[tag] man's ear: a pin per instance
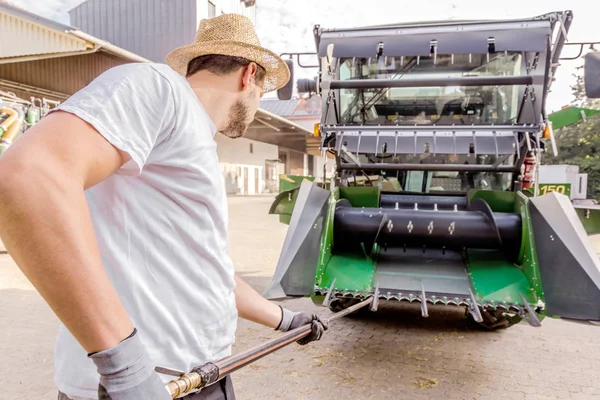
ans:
(249, 75)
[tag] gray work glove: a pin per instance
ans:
(126, 373)
(291, 320)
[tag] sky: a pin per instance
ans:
(286, 25)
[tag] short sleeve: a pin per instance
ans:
(132, 106)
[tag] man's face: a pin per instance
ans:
(241, 113)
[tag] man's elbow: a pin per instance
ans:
(15, 178)
(22, 178)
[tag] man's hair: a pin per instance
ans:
(222, 65)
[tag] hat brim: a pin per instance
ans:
(277, 71)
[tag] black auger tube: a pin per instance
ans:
(418, 228)
(423, 202)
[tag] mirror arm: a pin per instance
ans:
(580, 44)
(291, 55)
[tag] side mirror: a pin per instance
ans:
(285, 93)
(307, 86)
(591, 74)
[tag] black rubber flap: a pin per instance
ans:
(569, 267)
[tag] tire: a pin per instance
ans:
(493, 320)
(340, 304)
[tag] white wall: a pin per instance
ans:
(319, 163)
(243, 169)
(243, 163)
(238, 151)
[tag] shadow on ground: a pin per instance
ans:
(393, 353)
(28, 329)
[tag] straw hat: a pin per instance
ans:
(231, 35)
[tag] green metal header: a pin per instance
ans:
(570, 115)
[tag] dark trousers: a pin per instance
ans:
(222, 390)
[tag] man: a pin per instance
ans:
(115, 210)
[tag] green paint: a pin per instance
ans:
(284, 202)
(590, 218)
(350, 273)
(569, 116)
(327, 238)
(495, 279)
(498, 201)
(365, 196)
(528, 255)
(287, 182)
(283, 205)
(562, 188)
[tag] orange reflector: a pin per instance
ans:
(316, 130)
(547, 131)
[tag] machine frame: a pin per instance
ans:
(346, 242)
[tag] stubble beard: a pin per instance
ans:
(238, 115)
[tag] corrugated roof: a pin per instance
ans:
(282, 108)
(272, 120)
(28, 36)
(292, 108)
(29, 16)
(25, 34)
(40, 38)
(310, 106)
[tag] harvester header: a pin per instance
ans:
(435, 131)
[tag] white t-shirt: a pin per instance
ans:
(160, 222)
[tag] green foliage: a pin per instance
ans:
(578, 92)
(579, 144)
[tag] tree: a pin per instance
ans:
(578, 92)
(579, 144)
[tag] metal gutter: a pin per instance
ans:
(108, 47)
(32, 89)
(279, 119)
(35, 57)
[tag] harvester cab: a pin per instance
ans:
(434, 131)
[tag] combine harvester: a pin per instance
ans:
(438, 119)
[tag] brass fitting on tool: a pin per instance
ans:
(184, 384)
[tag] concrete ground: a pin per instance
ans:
(394, 354)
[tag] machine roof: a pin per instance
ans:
(442, 22)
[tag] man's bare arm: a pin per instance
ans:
(253, 307)
(46, 226)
